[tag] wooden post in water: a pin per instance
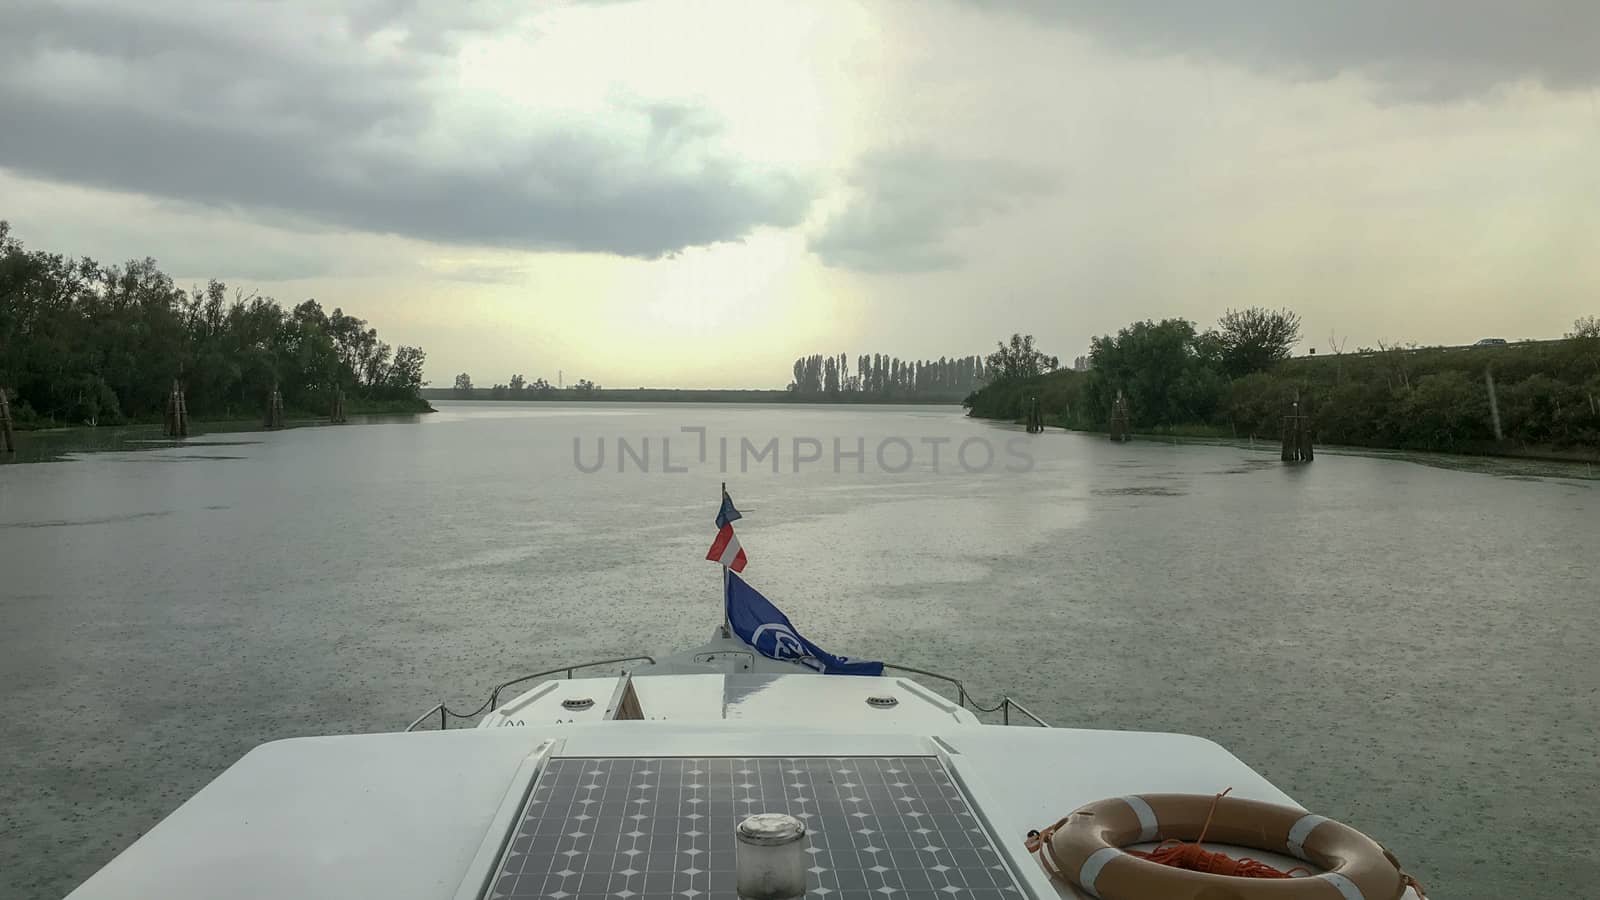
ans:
(1035, 416)
(1120, 426)
(1291, 436)
(1296, 434)
(336, 416)
(177, 417)
(274, 408)
(8, 438)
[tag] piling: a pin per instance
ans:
(1035, 416)
(336, 415)
(274, 417)
(8, 437)
(177, 416)
(1297, 433)
(1121, 428)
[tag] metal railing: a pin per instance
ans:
(445, 713)
(963, 697)
(966, 700)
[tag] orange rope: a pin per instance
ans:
(1195, 858)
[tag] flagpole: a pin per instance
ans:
(727, 628)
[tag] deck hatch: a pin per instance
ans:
(881, 828)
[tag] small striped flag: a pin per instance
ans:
(726, 550)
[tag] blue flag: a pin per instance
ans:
(727, 513)
(761, 625)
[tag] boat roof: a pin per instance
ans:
(832, 702)
(429, 815)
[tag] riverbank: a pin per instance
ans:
(83, 343)
(1523, 401)
(292, 417)
(1546, 462)
(685, 395)
(57, 443)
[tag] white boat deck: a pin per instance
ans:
(427, 816)
(671, 753)
(778, 699)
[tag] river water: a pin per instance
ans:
(1404, 647)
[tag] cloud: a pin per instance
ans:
(1424, 50)
(905, 204)
(353, 121)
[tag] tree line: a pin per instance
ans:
(1237, 380)
(881, 376)
(520, 388)
(85, 343)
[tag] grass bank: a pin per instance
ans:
(293, 416)
(1545, 395)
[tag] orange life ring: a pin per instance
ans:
(1085, 849)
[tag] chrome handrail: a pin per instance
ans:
(1011, 704)
(961, 689)
(437, 708)
(494, 698)
(965, 699)
(446, 713)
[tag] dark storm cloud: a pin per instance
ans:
(1417, 49)
(904, 204)
(338, 119)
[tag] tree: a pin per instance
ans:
(1254, 339)
(1336, 344)
(80, 341)
(1019, 360)
(1165, 369)
(464, 386)
(404, 378)
(1586, 332)
(1396, 361)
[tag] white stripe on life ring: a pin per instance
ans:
(1097, 861)
(1147, 818)
(1345, 886)
(1302, 829)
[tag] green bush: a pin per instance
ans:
(1548, 393)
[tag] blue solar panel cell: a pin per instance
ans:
(880, 828)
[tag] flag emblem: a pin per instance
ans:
(770, 633)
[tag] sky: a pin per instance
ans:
(693, 194)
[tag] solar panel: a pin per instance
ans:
(881, 828)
